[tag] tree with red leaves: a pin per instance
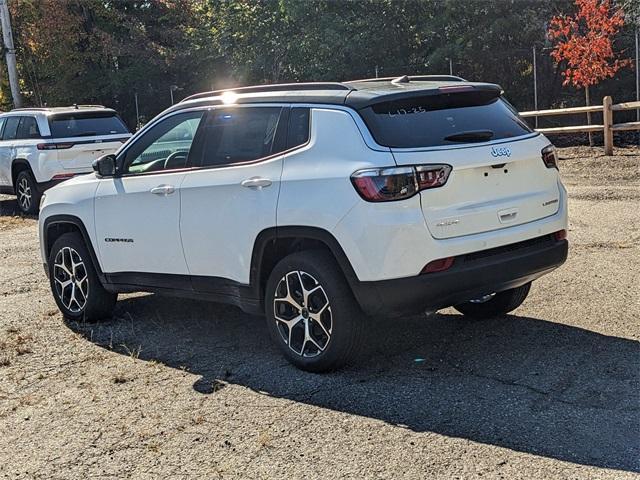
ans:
(585, 43)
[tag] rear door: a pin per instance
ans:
(233, 196)
(83, 136)
(498, 178)
(5, 157)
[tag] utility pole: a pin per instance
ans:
(10, 53)
(637, 74)
(450, 67)
(638, 78)
(135, 96)
(535, 84)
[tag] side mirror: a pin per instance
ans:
(106, 166)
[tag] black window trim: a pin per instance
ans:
(207, 109)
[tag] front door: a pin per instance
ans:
(137, 213)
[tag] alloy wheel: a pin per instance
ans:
(71, 279)
(24, 194)
(303, 314)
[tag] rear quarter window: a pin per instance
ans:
(28, 129)
(445, 119)
(84, 124)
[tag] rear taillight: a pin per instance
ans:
(550, 157)
(560, 235)
(54, 146)
(398, 183)
(456, 88)
(432, 176)
(439, 265)
(385, 184)
(63, 176)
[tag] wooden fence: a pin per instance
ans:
(607, 108)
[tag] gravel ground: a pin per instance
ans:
(173, 388)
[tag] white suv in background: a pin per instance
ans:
(40, 147)
(313, 204)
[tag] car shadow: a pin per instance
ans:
(9, 208)
(526, 384)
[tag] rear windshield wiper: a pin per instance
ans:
(85, 134)
(470, 136)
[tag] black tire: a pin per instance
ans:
(501, 304)
(98, 302)
(340, 316)
(27, 193)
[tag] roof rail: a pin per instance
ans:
(27, 108)
(278, 87)
(433, 78)
(44, 109)
(87, 106)
(437, 78)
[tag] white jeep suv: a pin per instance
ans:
(315, 205)
(40, 147)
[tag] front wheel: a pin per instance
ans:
(495, 305)
(311, 313)
(74, 282)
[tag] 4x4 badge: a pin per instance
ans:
(500, 152)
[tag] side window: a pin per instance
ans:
(11, 128)
(240, 134)
(165, 146)
(2, 121)
(28, 128)
(298, 133)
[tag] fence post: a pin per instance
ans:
(607, 120)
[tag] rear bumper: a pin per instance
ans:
(471, 276)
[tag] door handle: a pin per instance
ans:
(163, 190)
(256, 182)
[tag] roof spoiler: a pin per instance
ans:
(409, 78)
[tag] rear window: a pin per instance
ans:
(236, 135)
(86, 124)
(448, 119)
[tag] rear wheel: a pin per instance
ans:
(495, 305)
(311, 313)
(74, 281)
(27, 193)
